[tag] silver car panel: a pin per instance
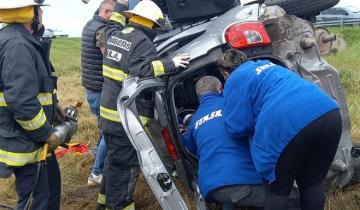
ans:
(292, 44)
(212, 37)
(150, 162)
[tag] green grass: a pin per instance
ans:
(66, 56)
(348, 64)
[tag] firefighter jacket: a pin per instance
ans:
(27, 96)
(129, 51)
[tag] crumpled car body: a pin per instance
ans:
(162, 156)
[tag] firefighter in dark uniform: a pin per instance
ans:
(129, 52)
(28, 104)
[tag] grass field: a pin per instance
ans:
(75, 168)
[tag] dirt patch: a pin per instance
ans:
(85, 197)
(144, 198)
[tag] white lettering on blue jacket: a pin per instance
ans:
(208, 117)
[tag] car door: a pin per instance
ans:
(152, 166)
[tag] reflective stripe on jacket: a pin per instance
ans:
(27, 96)
(129, 52)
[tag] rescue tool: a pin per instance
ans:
(64, 131)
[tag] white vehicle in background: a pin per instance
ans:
(55, 33)
(48, 33)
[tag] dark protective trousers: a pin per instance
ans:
(306, 159)
(47, 194)
(121, 171)
(250, 196)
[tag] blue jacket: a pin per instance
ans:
(222, 160)
(270, 104)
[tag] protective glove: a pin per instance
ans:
(59, 114)
(183, 129)
(181, 60)
(53, 141)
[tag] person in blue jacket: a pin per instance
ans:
(226, 171)
(293, 126)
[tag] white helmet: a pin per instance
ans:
(149, 10)
(13, 4)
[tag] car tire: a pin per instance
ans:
(356, 177)
(303, 8)
(355, 153)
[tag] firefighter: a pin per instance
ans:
(92, 50)
(293, 126)
(129, 51)
(28, 104)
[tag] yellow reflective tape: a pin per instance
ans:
(113, 73)
(144, 120)
(101, 199)
(35, 123)
(109, 114)
(131, 206)
(158, 68)
(2, 100)
(117, 17)
(113, 115)
(127, 30)
(45, 98)
(19, 159)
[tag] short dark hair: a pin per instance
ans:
(105, 3)
(207, 84)
(230, 60)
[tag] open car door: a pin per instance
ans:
(150, 162)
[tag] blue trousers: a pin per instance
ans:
(93, 99)
(47, 194)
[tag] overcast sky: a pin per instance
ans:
(71, 15)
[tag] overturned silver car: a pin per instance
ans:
(261, 31)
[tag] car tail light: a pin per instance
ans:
(169, 143)
(248, 34)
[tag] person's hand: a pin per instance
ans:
(53, 141)
(181, 60)
(182, 129)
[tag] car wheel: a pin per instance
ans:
(355, 153)
(303, 8)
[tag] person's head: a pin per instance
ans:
(146, 13)
(208, 84)
(229, 61)
(26, 12)
(105, 9)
